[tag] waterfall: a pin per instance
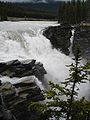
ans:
(24, 40)
(71, 41)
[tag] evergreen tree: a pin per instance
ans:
(77, 76)
(84, 11)
(61, 99)
(88, 8)
(72, 12)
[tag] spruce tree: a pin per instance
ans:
(77, 76)
(61, 99)
(88, 8)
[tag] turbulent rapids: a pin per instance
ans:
(24, 40)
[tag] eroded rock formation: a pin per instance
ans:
(20, 69)
(59, 37)
(16, 99)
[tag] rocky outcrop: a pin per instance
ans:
(20, 69)
(82, 38)
(15, 99)
(59, 37)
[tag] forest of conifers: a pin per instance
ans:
(73, 11)
(28, 10)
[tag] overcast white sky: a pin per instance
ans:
(28, 0)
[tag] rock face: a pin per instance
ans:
(15, 99)
(82, 38)
(59, 37)
(16, 68)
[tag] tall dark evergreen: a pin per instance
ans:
(84, 11)
(72, 12)
(62, 100)
(88, 8)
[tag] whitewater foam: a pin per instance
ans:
(24, 40)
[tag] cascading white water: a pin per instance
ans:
(71, 41)
(24, 40)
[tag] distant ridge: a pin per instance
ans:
(42, 1)
(51, 6)
(31, 1)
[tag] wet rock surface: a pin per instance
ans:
(59, 37)
(20, 69)
(16, 99)
(82, 38)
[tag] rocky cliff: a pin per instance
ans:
(15, 99)
(82, 38)
(59, 37)
(16, 68)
